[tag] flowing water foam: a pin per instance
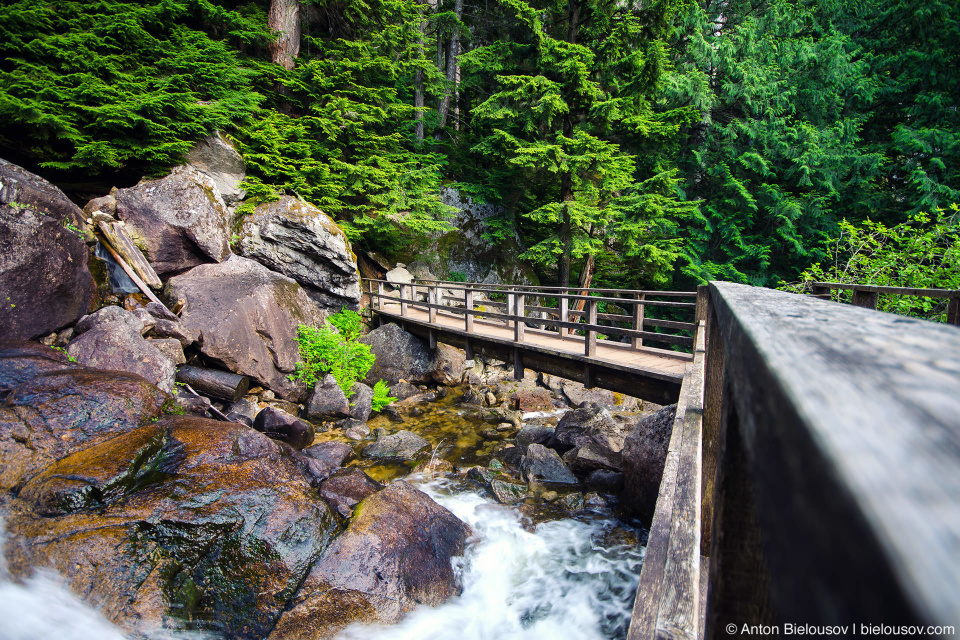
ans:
(559, 581)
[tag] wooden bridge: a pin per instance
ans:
(812, 481)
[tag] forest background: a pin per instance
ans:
(653, 143)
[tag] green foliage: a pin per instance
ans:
(347, 323)
(171, 407)
(923, 252)
(324, 351)
(60, 349)
(102, 85)
(381, 397)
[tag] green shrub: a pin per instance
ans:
(347, 322)
(380, 397)
(326, 351)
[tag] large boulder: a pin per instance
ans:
(298, 240)
(644, 456)
(346, 488)
(216, 157)
(45, 281)
(179, 221)
(118, 346)
(590, 423)
(399, 356)
(21, 360)
(448, 365)
(395, 555)
(55, 413)
(402, 445)
(327, 401)
(247, 318)
(544, 465)
(361, 402)
(181, 523)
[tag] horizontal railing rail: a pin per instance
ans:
(868, 295)
(472, 301)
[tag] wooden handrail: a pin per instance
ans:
(868, 295)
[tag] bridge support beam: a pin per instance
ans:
(517, 364)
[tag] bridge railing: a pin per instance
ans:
(829, 459)
(868, 296)
(519, 306)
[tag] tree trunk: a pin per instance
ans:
(284, 19)
(418, 102)
(453, 57)
(566, 230)
(586, 277)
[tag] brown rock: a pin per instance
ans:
(45, 281)
(448, 367)
(395, 554)
(185, 521)
(54, 414)
(644, 456)
(532, 400)
(346, 488)
(118, 347)
(21, 361)
(327, 401)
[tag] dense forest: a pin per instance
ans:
(653, 143)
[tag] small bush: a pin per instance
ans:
(347, 323)
(325, 351)
(380, 397)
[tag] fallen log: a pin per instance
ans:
(213, 383)
(122, 243)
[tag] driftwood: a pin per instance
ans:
(122, 244)
(212, 409)
(222, 385)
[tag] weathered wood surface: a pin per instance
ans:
(133, 274)
(122, 244)
(850, 420)
(214, 383)
(668, 604)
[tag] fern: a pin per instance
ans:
(380, 397)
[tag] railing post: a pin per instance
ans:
(379, 304)
(403, 299)
(519, 325)
(590, 342)
(953, 311)
(468, 304)
(865, 298)
(564, 312)
(638, 313)
(432, 301)
(511, 305)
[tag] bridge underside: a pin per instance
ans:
(561, 359)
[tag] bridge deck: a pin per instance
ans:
(655, 365)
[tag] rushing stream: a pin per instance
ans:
(531, 572)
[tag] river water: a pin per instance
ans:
(528, 573)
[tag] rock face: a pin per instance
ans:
(399, 356)
(402, 445)
(395, 554)
(118, 347)
(21, 361)
(54, 413)
(45, 282)
(179, 221)
(644, 455)
(185, 522)
(300, 241)
(247, 318)
(216, 157)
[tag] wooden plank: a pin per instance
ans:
(864, 297)
(517, 364)
(823, 287)
(953, 310)
(116, 236)
(590, 343)
(849, 420)
(468, 305)
(432, 298)
(133, 275)
(637, 321)
(519, 325)
(712, 413)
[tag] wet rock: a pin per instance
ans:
(179, 221)
(403, 390)
(544, 465)
(605, 481)
(491, 398)
(507, 492)
(184, 521)
(532, 400)
(420, 398)
(243, 411)
(53, 414)
(21, 360)
(395, 554)
(399, 356)
(160, 312)
(298, 240)
(533, 434)
(344, 489)
(327, 402)
(323, 458)
(118, 347)
(361, 402)
(482, 476)
(553, 383)
(392, 413)
(216, 157)
(571, 502)
(247, 317)
(490, 434)
(402, 445)
(194, 405)
(472, 396)
(357, 430)
(45, 281)
(106, 205)
(594, 500)
(282, 426)
(171, 349)
(449, 364)
(109, 316)
(505, 426)
(512, 456)
(644, 456)
(499, 415)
